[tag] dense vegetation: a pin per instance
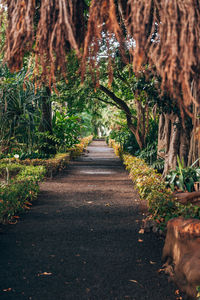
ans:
(82, 79)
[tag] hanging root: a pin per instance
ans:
(163, 33)
(46, 28)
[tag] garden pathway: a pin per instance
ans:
(81, 239)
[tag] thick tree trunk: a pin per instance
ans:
(194, 152)
(46, 120)
(173, 141)
(46, 124)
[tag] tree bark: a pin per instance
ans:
(46, 124)
(173, 141)
(46, 120)
(140, 129)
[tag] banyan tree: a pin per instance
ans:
(165, 34)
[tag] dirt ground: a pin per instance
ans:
(81, 239)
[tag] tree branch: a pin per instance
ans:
(107, 102)
(123, 106)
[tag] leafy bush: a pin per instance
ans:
(149, 154)
(52, 165)
(17, 194)
(66, 130)
(116, 146)
(126, 139)
(183, 178)
(151, 187)
(77, 149)
(8, 170)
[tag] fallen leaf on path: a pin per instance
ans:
(45, 274)
(7, 290)
(16, 217)
(135, 281)
(140, 241)
(26, 207)
(152, 262)
(161, 270)
(107, 204)
(141, 231)
(177, 292)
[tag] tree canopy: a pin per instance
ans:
(164, 34)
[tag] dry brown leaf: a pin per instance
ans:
(141, 231)
(135, 281)
(132, 280)
(140, 240)
(7, 290)
(45, 274)
(152, 262)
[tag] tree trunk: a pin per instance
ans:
(194, 152)
(173, 141)
(47, 144)
(46, 120)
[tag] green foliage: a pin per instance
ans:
(125, 138)
(16, 194)
(52, 165)
(198, 292)
(183, 178)
(19, 114)
(66, 130)
(152, 187)
(149, 154)
(8, 170)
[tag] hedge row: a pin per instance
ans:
(79, 148)
(152, 187)
(17, 193)
(55, 164)
(117, 148)
(20, 179)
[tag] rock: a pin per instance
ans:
(181, 254)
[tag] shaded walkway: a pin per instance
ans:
(80, 240)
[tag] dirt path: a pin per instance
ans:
(80, 240)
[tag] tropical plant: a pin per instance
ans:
(66, 130)
(19, 113)
(183, 178)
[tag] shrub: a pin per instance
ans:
(17, 194)
(117, 148)
(77, 149)
(152, 187)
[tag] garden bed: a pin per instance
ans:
(19, 186)
(162, 204)
(19, 179)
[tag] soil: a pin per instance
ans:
(81, 239)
